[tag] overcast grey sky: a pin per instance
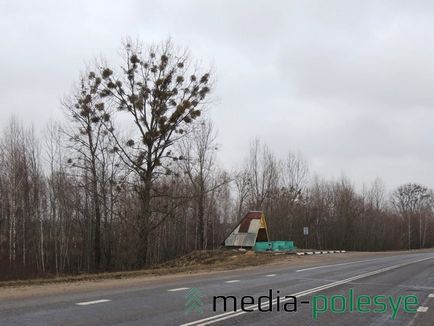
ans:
(349, 84)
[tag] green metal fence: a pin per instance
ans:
(275, 246)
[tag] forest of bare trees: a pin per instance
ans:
(131, 178)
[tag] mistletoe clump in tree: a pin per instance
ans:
(159, 93)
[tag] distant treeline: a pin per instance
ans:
(131, 178)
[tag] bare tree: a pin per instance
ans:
(263, 173)
(294, 174)
(15, 169)
(198, 163)
(160, 95)
(407, 199)
(242, 186)
(86, 136)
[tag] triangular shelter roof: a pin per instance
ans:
(250, 229)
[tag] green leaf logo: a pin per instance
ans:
(193, 301)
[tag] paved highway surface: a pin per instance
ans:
(164, 301)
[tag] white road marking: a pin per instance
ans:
(431, 295)
(232, 281)
(92, 302)
(270, 275)
(231, 314)
(177, 289)
(422, 309)
(325, 266)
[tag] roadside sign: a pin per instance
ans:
(306, 230)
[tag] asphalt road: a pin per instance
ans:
(393, 279)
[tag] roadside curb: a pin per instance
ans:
(320, 252)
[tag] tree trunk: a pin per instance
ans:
(145, 217)
(201, 221)
(97, 210)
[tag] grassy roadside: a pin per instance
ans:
(197, 261)
(206, 261)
